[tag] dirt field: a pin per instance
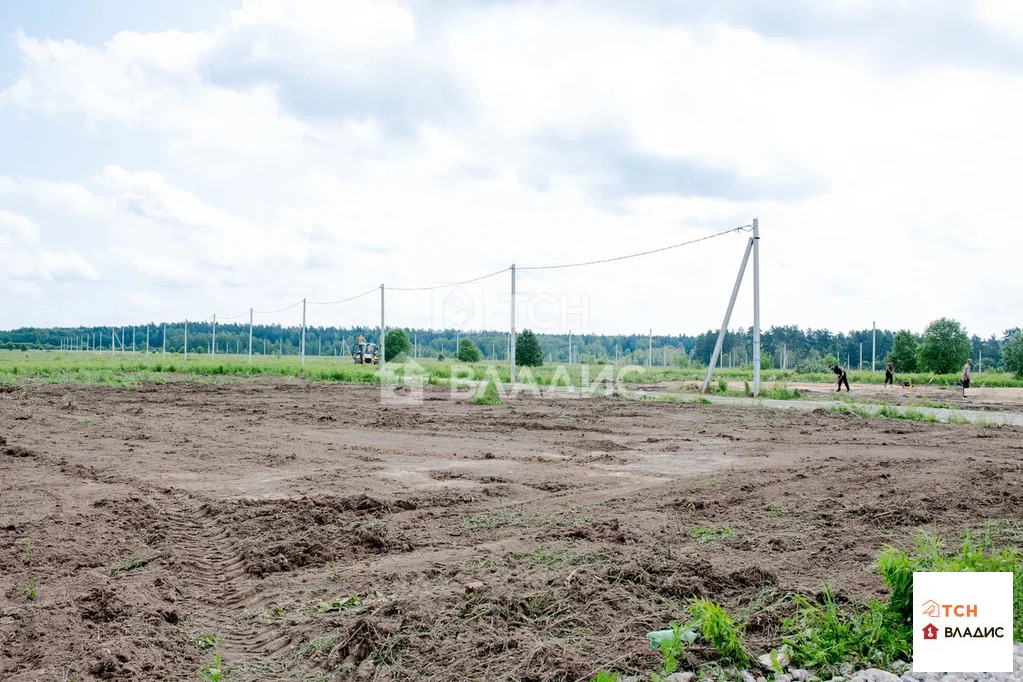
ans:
(535, 540)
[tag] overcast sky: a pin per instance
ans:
(168, 160)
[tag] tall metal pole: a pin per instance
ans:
(250, 336)
(756, 307)
(303, 333)
(511, 333)
(873, 349)
(383, 349)
(186, 339)
(214, 339)
(728, 315)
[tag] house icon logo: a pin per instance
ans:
(930, 631)
(932, 608)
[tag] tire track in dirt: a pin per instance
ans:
(221, 588)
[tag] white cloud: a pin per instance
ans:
(18, 224)
(238, 195)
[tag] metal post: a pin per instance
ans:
(511, 333)
(873, 349)
(250, 336)
(302, 343)
(383, 349)
(756, 307)
(164, 339)
(213, 343)
(650, 348)
(728, 315)
(186, 339)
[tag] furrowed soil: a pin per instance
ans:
(318, 534)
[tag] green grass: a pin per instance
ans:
(906, 413)
(214, 672)
(133, 369)
(711, 534)
(719, 631)
(129, 564)
(487, 395)
(338, 605)
(206, 641)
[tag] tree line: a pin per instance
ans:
(939, 348)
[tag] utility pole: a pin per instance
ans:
(570, 346)
(186, 339)
(147, 338)
(133, 338)
(873, 349)
(383, 349)
(165, 339)
(250, 337)
(302, 342)
(756, 307)
(213, 343)
(650, 348)
(860, 366)
(511, 333)
(980, 364)
(724, 324)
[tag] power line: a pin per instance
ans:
(271, 312)
(452, 284)
(741, 228)
(232, 317)
(344, 300)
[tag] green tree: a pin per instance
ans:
(1012, 354)
(396, 341)
(468, 351)
(945, 347)
(527, 350)
(766, 361)
(903, 353)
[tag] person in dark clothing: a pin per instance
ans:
(842, 378)
(966, 375)
(889, 374)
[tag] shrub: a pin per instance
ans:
(1012, 355)
(527, 350)
(903, 353)
(396, 341)
(468, 351)
(945, 347)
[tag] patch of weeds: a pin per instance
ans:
(719, 631)
(783, 392)
(321, 643)
(710, 534)
(850, 409)
(603, 676)
(956, 419)
(722, 385)
(390, 651)
(909, 414)
(702, 401)
(214, 672)
(823, 635)
(487, 395)
(497, 519)
(129, 564)
(671, 644)
(338, 605)
(774, 510)
(88, 421)
(707, 482)
(207, 641)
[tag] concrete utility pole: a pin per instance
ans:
(186, 339)
(650, 348)
(133, 339)
(570, 346)
(756, 307)
(860, 366)
(213, 343)
(511, 333)
(302, 342)
(716, 355)
(873, 348)
(164, 339)
(383, 329)
(250, 336)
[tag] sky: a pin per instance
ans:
(163, 161)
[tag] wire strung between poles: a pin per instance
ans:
(233, 317)
(271, 312)
(344, 300)
(452, 284)
(741, 228)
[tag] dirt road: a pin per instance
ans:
(534, 540)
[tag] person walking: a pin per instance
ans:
(966, 375)
(842, 378)
(889, 374)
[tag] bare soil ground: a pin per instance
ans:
(535, 540)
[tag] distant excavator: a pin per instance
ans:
(365, 353)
